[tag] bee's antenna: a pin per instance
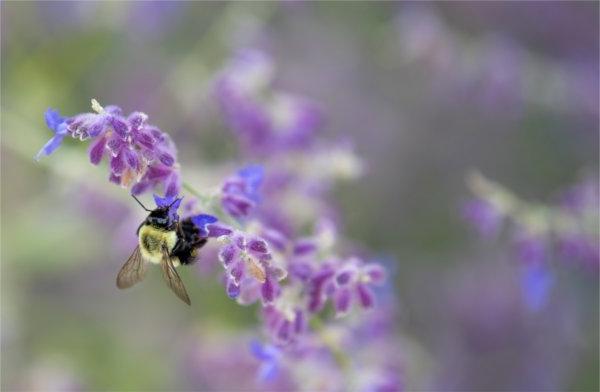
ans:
(140, 203)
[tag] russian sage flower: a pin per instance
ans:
(536, 282)
(57, 124)
(265, 120)
(353, 281)
(482, 216)
(541, 233)
(270, 356)
(250, 271)
(140, 155)
(240, 193)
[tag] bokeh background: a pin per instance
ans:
(426, 92)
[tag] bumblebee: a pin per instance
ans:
(166, 241)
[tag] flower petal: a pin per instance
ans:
(166, 159)
(53, 119)
(120, 126)
(268, 290)
(227, 254)
(218, 230)
(117, 164)
(536, 283)
(375, 273)
(233, 290)
(173, 185)
(342, 301)
(365, 296)
(97, 150)
(201, 221)
(50, 146)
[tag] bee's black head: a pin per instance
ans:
(165, 216)
(160, 218)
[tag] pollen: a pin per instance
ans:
(97, 107)
(256, 270)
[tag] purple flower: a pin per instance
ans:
(577, 247)
(536, 282)
(250, 271)
(482, 216)
(530, 248)
(58, 125)
(317, 288)
(140, 155)
(240, 193)
(202, 222)
(270, 357)
(284, 322)
(280, 123)
(352, 284)
(582, 197)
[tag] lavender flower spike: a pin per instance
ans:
(140, 155)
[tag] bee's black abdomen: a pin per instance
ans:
(188, 242)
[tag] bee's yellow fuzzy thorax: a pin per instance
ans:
(152, 239)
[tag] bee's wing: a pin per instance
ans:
(133, 270)
(172, 277)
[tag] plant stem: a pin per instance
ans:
(338, 354)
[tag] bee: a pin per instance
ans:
(166, 241)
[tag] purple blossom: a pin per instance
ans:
(250, 271)
(140, 155)
(352, 284)
(270, 357)
(240, 193)
(280, 122)
(284, 322)
(536, 282)
(530, 248)
(482, 216)
(578, 248)
(267, 237)
(58, 125)
(318, 288)
(203, 222)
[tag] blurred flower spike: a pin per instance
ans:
(269, 356)
(141, 156)
(482, 216)
(240, 193)
(566, 232)
(266, 121)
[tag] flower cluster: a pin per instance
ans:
(250, 271)
(287, 252)
(140, 155)
(493, 71)
(566, 231)
(278, 233)
(266, 121)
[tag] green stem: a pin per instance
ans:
(339, 355)
(209, 203)
(203, 198)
